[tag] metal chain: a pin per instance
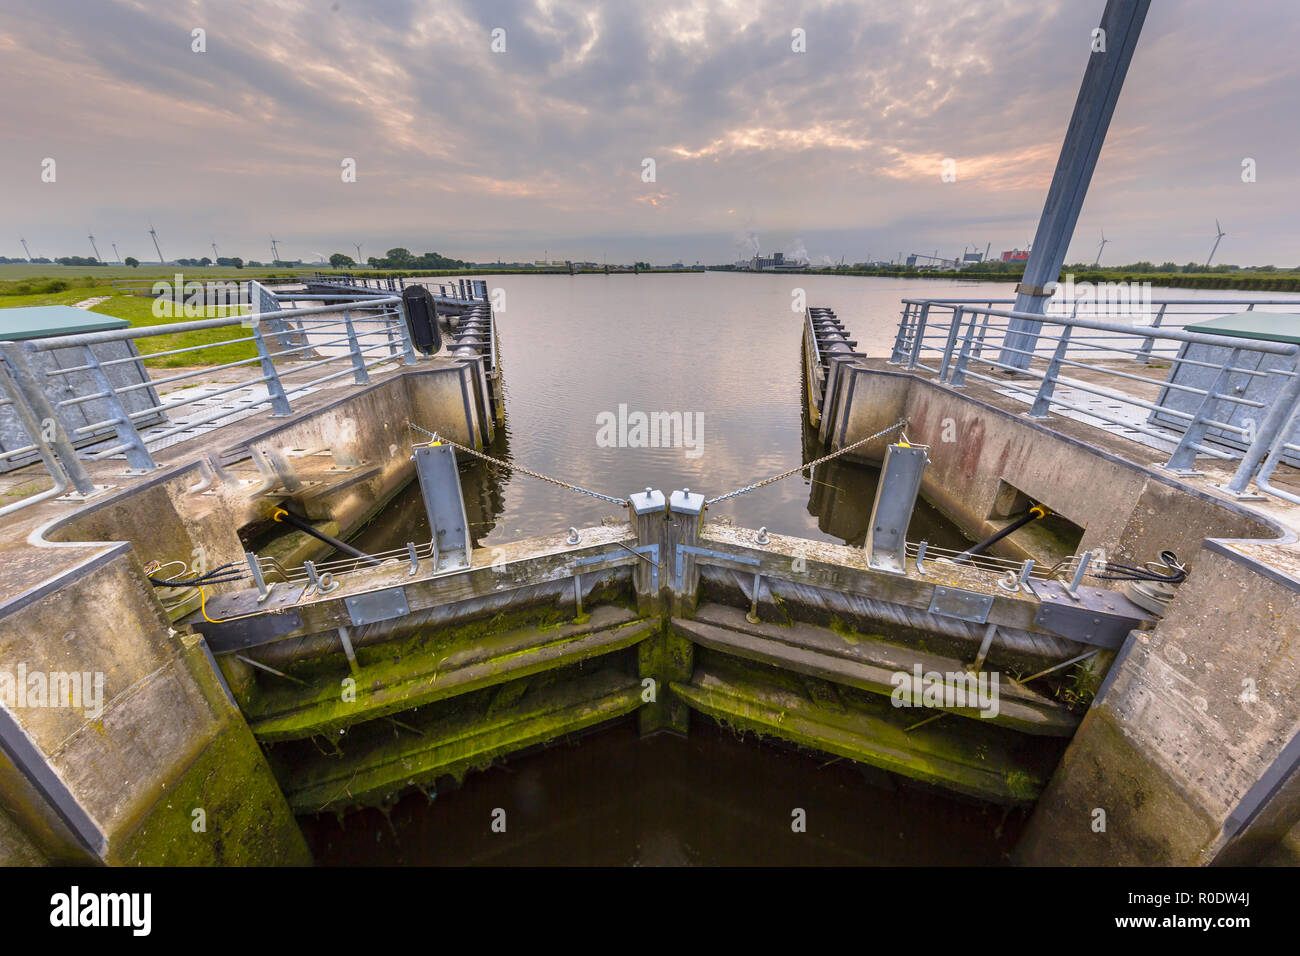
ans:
(513, 467)
(804, 467)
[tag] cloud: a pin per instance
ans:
(478, 153)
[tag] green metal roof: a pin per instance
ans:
(1270, 326)
(37, 321)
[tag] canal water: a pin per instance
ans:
(723, 349)
(720, 348)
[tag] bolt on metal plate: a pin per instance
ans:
(377, 606)
(963, 605)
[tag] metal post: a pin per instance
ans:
(954, 328)
(899, 484)
(958, 377)
(399, 320)
(359, 373)
(137, 455)
(33, 429)
(984, 331)
(918, 334)
(435, 466)
(985, 644)
(900, 340)
(1145, 351)
(263, 589)
(1121, 24)
(1183, 460)
(279, 401)
(752, 617)
(1263, 478)
(1270, 431)
(39, 404)
(390, 337)
(1043, 401)
(345, 638)
(284, 470)
(1072, 588)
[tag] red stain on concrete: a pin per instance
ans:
(970, 434)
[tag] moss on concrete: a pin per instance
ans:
(988, 762)
(1148, 818)
(373, 766)
(665, 658)
(15, 847)
(245, 817)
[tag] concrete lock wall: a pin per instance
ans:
(1168, 765)
(1114, 501)
(1197, 713)
(162, 768)
(159, 722)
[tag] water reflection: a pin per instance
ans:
(712, 798)
(724, 346)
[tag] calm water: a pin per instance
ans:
(721, 345)
(610, 799)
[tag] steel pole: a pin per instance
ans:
(1121, 24)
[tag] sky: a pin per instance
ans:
(539, 146)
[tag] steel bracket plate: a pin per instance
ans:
(963, 605)
(377, 606)
(1099, 617)
(685, 549)
(225, 637)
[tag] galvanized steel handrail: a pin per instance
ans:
(372, 325)
(958, 344)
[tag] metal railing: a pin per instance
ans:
(226, 289)
(453, 290)
(1071, 356)
(88, 397)
(371, 283)
(923, 314)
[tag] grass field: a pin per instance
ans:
(101, 274)
(139, 312)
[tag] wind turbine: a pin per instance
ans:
(25, 249)
(1100, 247)
(1219, 234)
(358, 245)
(95, 247)
(153, 233)
(116, 253)
(275, 253)
(215, 254)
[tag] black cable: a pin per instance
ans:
(196, 583)
(1128, 572)
(1033, 514)
(215, 576)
